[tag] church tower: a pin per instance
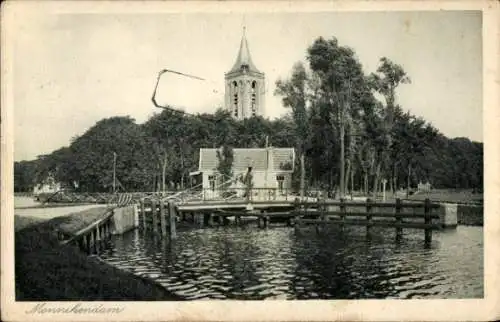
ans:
(245, 86)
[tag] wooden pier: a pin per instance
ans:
(161, 217)
(117, 218)
(158, 216)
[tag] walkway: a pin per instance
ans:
(44, 213)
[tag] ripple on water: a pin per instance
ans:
(277, 264)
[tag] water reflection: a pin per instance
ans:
(277, 263)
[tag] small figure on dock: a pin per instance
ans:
(247, 180)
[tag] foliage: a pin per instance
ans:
(24, 176)
(225, 164)
(330, 99)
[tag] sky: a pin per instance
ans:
(72, 70)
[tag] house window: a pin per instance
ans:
(280, 179)
(211, 180)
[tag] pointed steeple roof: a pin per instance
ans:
(244, 57)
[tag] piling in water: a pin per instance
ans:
(163, 220)
(172, 220)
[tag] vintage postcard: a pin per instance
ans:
(263, 161)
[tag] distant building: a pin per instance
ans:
(48, 185)
(270, 168)
(424, 187)
(244, 86)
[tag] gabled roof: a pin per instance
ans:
(244, 57)
(257, 158)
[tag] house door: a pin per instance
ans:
(280, 180)
(211, 181)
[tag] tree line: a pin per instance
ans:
(346, 123)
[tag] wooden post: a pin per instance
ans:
(92, 241)
(97, 238)
(320, 216)
(302, 176)
(172, 217)
(428, 221)
(109, 228)
(369, 217)
(103, 231)
(399, 230)
(384, 182)
(297, 216)
(102, 227)
(342, 212)
(98, 233)
(163, 220)
(206, 219)
(154, 216)
(86, 243)
(143, 212)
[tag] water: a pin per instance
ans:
(277, 263)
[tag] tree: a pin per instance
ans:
(24, 176)
(225, 165)
(92, 155)
(342, 89)
(294, 96)
(387, 78)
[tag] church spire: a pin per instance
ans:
(244, 58)
(245, 85)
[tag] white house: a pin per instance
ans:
(49, 185)
(424, 187)
(271, 170)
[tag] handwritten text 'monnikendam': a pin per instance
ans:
(43, 308)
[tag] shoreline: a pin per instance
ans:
(48, 271)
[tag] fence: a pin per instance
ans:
(371, 214)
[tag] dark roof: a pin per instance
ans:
(244, 58)
(256, 158)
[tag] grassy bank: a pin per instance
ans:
(452, 196)
(47, 271)
(26, 221)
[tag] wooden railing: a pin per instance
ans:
(161, 217)
(370, 218)
(89, 239)
(341, 213)
(244, 194)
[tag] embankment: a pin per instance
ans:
(470, 215)
(47, 271)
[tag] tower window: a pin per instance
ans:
(235, 108)
(253, 99)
